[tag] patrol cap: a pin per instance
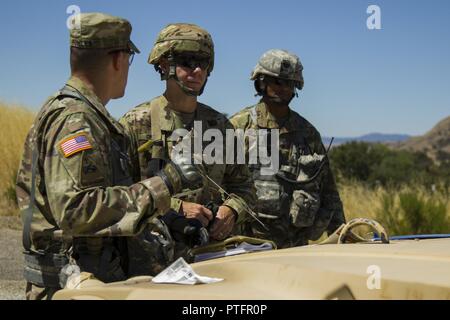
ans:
(101, 31)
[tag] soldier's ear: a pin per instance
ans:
(117, 60)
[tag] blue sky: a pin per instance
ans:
(393, 80)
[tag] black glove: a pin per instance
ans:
(179, 175)
(189, 231)
(213, 207)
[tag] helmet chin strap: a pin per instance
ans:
(262, 91)
(188, 90)
(278, 100)
(173, 75)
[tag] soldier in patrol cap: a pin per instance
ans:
(300, 201)
(183, 54)
(74, 179)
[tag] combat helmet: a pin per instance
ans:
(280, 64)
(179, 38)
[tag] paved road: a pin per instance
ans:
(12, 285)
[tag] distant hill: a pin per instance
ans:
(371, 137)
(435, 143)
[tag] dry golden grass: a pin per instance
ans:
(362, 202)
(15, 121)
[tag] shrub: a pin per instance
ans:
(376, 164)
(410, 213)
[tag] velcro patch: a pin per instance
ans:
(75, 144)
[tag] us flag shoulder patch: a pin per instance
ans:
(75, 144)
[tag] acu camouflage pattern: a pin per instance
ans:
(280, 64)
(182, 37)
(233, 178)
(101, 31)
(90, 195)
(293, 214)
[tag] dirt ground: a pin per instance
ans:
(12, 285)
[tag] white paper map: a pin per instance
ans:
(180, 272)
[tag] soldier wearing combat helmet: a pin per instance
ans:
(183, 54)
(74, 186)
(300, 201)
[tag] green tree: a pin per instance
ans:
(378, 164)
(355, 160)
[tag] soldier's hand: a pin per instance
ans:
(223, 224)
(196, 211)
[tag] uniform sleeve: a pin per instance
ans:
(78, 178)
(133, 148)
(238, 179)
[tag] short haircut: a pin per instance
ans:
(88, 60)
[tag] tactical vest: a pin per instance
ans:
(290, 197)
(153, 250)
(162, 144)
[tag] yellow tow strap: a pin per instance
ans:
(230, 243)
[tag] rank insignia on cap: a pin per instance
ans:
(75, 144)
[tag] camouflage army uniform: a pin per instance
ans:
(156, 120)
(85, 189)
(91, 192)
(233, 178)
(301, 201)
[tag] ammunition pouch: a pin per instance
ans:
(304, 189)
(45, 269)
(151, 251)
(283, 197)
(304, 208)
(269, 204)
(100, 256)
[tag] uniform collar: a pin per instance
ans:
(168, 120)
(267, 120)
(79, 85)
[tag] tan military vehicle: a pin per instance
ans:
(344, 266)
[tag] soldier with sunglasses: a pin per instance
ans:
(183, 55)
(300, 201)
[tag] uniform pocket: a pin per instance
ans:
(93, 169)
(269, 198)
(304, 207)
